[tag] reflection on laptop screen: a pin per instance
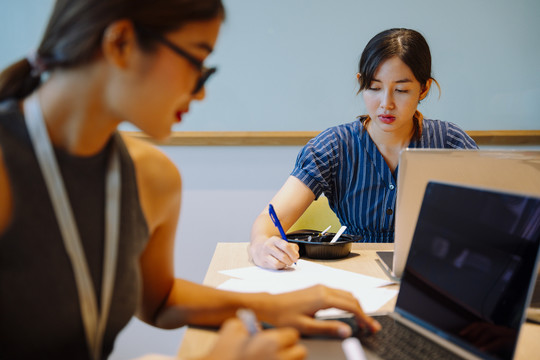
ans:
(471, 265)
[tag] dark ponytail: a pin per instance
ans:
(17, 80)
(75, 29)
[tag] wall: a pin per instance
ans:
(291, 64)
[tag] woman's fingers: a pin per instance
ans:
(235, 343)
(331, 328)
(280, 338)
(234, 326)
(287, 252)
(275, 344)
(278, 254)
(297, 309)
(344, 300)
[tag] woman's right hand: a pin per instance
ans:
(268, 250)
(235, 343)
(274, 253)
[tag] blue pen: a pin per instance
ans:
(276, 222)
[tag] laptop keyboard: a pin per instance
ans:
(396, 341)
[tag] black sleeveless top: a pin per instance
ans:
(39, 306)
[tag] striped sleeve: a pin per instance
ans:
(437, 134)
(456, 138)
(316, 163)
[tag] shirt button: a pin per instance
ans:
(391, 187)
(389, 212)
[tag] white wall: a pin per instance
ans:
(291, 64)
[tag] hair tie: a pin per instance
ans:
(36, 64)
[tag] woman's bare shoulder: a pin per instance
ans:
(158, 179)
(154, 164)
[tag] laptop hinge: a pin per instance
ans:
(434, 337)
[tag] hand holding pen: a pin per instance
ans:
(241, 339)
(270, 250)
(277, 223)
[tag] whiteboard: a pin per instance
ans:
(290, 65)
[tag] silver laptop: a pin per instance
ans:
(512, 170)
(468, 278)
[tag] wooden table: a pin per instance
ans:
(198, 342)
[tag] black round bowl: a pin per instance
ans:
(316, 246)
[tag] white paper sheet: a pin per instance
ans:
(307, 271)
(304, 274)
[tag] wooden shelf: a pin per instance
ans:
(293, 138)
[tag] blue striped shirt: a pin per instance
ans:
(344, 163)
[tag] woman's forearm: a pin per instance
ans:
(194, 304)
(190, 303)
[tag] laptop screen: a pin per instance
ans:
(494, 169)
(471, 265)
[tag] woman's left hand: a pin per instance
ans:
(297, 309)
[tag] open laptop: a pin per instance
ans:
(468, 277)
(511, 170)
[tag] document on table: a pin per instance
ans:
(368, 290)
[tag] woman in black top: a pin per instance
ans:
(88, 216)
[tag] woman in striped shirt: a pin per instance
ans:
(355, 164)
